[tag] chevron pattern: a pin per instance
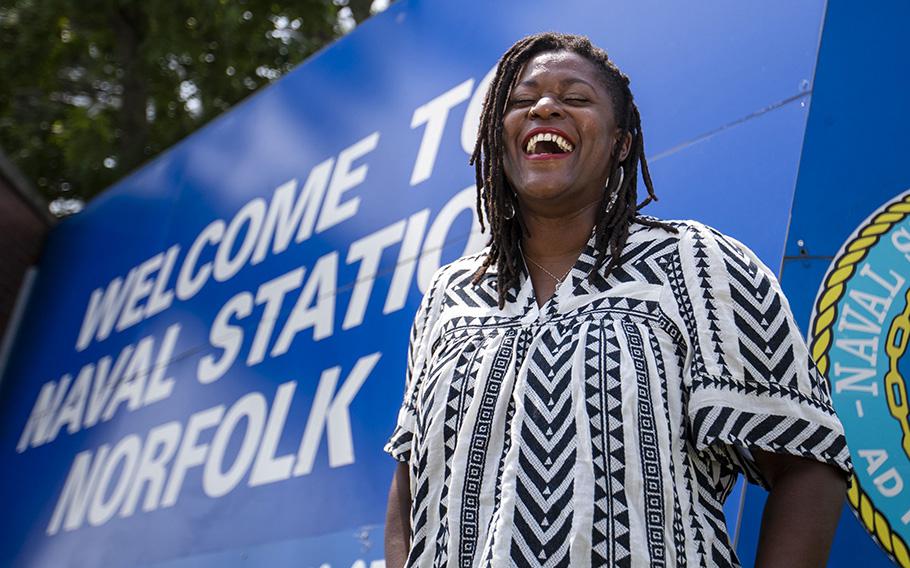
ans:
(545, 485)
(765, 341)
(773, 433)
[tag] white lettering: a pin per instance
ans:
(225, 336)
(191, 452)
(877, 306)
(131, 387)
(42, 416)
(188, 284)
(272, 294)
(368, 251)
(344, 179)
(281, 220)
(472, 114)
(889, 483)
(435, 114)
(126, 451)
(161, 298)
(892, 289)
(865, 349)
(250, 216)
(142, 286)
(103, 308)
(852, 381)
(268, 468)
(78, 487)
(332, 414)
(103, 386)
(319, 287)
(159, 387)
(874, 459)
(852, 320)
(407, 262)
(217, 482)
(159, 448)
(73, 407)
(431, 259)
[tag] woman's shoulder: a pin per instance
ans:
(459, 277)
(682, 226)
(686, 230)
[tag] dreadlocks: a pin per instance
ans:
(495, 198)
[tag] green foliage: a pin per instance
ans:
(92, 89)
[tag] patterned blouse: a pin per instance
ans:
(607, 427)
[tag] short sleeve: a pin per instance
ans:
(399, 443)
(750, 381)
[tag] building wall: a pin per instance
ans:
(24, 223)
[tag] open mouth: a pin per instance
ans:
(548, 143)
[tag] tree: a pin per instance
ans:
(93, 89)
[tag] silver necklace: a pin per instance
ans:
(550, 274)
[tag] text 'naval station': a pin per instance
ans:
(147, 472)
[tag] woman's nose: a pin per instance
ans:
(545, 107)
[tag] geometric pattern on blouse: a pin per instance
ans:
(608, 426)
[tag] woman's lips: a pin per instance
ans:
(537, 157)
(546, 130)
(547, 143)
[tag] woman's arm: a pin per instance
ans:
(397, 519)
(801, 513)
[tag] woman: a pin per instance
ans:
(586, 389)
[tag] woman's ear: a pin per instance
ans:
(625, 142)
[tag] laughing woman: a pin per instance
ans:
(586, 390)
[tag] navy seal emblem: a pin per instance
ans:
(859, 337)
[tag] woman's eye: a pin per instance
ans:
(521, 102)
(576, 100)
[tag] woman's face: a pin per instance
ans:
(559, 129)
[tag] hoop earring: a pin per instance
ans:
(613, 197)
(509, 210)
(621, 177)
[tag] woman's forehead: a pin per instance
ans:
(560, 65)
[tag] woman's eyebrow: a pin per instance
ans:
(564, 83)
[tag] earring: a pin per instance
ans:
(621, 177)
(509, 210)
(616, 192)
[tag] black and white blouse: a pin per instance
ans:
(607, 427)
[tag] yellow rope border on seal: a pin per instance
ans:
(826, 314)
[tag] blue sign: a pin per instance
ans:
(212, 354)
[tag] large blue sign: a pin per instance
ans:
(212, 355)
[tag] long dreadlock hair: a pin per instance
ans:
(495, 199)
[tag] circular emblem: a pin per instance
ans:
(860, 332)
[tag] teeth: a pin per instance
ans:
(563, 144)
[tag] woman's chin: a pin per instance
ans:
(544, 191)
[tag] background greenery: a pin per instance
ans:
(91, 89)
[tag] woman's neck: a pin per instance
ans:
(560, 238)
